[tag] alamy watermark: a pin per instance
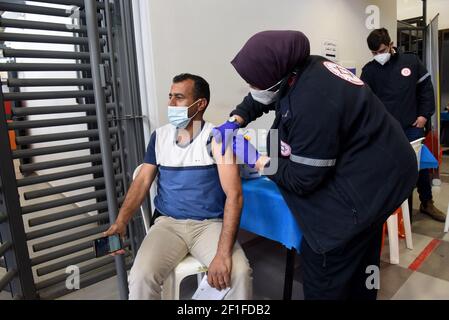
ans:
(256, 137)
(74, 15)
(73, 279)
(373, 20)
(373, 280)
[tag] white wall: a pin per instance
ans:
(413, 8)
(203, 36)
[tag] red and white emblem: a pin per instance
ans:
(286, 150)
(343, 73)
(406, 72)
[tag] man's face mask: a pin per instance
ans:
(383, 58)
(265, 96)
(179, 116)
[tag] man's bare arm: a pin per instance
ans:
(232, 186)
(134, 198)
(220, 269)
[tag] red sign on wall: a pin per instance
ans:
(8, 107)
(12, 136)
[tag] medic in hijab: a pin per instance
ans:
(344, 164)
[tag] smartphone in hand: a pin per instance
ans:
(107, 245)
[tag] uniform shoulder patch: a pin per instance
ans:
(343, 73)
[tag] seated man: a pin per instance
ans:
(199, 200)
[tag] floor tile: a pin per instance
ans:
(422, 224)
(420, 286)
(437, 264)
(5, 296)
(392, 278)
(104, 290)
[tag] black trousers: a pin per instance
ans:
(341, 274)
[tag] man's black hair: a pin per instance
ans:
(201, 88)
(377, 38)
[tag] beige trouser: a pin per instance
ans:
(168, 242)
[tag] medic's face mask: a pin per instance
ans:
(265, 96)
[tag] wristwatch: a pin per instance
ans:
(233, 119)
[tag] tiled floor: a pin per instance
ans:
(267, 258)
(420, 286)
(431, 279)
(401, 282)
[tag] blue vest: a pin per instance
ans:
(188, 182)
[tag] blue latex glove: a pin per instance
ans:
(245, 151)
(224, 134)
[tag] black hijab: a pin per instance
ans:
(269, 56)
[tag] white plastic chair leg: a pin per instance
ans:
(407, 225)
(446, 226)
(172, 285)
(393, 238)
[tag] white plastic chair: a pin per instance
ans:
(187, 267)
(446, 226)
(392, 222)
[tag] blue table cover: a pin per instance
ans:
(265, 213)
(427, 161)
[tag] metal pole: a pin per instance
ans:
(108, 21)
(424, 32)
(106, 149)
(424, 12)
(289, 274)
(130, 103)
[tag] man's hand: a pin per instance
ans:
(420, 122)
(117, 228)
(219, 272)
(134, 198)
(224, 134)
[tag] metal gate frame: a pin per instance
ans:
(429, 51)
(12, 233)
(110, 83)
(432, 64)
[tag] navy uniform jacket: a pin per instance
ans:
(404, 86)
(345, 163)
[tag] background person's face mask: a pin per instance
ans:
(265, 96)
(179, 116)
(383, 58)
